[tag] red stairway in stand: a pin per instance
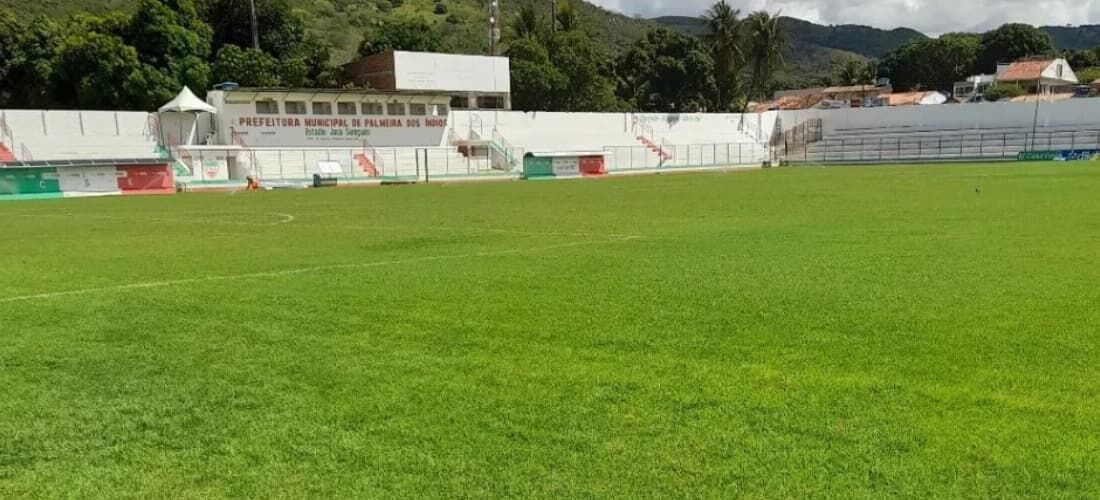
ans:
(664, 155)
(366, 165)
(6, 154)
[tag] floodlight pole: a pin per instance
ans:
(494, 26)
(255, 25)
(1035, 119)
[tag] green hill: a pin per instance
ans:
(1074, 37)
(811, 50)
(343, 22)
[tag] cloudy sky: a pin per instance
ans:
(929, 16)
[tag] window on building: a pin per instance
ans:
(416, 109)
(346, 108)
(295, 108)
(322, 108)
(267, 107)
(1059, 71)
(439, 110)
(460, 102)
(395, 109)
(372, 108)
(490, 102)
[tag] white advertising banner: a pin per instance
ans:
(566, 166)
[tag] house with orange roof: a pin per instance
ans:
(914, 98)
(1038, 75)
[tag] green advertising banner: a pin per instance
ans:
(1062, 155)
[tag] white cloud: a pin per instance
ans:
(928, 16)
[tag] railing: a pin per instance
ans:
(379, 162)
(476, 117)
(152, 128)
(641, 129)
(238, 139)
(6, 135)
(749, 124)
(931, 146)
(625, 158)
(505, 148)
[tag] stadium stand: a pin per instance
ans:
(946, 132)
(635, 140)
(80, 135)
(888, 144)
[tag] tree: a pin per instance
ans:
(163, 31)
(723, 35)
(248, 67)
(1001, 91)
(99, 71)
(666, 72)
(281, 30)
(764, 41)
(935, 63)
(170, 36)
(588, 88)
(1088, 75)
(1010, 43)
(1082, 58)
(30, 51)
(536, 82)
(415, 34)
(854, 71)
(302, 59)
(526, 23)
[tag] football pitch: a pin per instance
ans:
(849, 332)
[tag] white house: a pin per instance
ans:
(973, 88)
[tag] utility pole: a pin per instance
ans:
(553, 16)
(1038, 97)
(255, 25)
(494, 27)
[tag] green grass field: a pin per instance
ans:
(838, 332)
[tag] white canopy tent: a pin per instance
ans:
(186, 102)
(183, 104)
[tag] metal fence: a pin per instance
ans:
(201, 164)
(621, 158)
(930, 146)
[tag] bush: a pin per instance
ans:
(1003, 91)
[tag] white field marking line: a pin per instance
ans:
(483, 230)
(283, 218)
(287, 218)
(299, 270)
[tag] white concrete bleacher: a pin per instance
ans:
(947, 132)
(81, 135)
(690, 139)
(910, 145)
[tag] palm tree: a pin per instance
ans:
(853, 71)
(567, 16)
(724, 37)
(766, 41)
(526, 24)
